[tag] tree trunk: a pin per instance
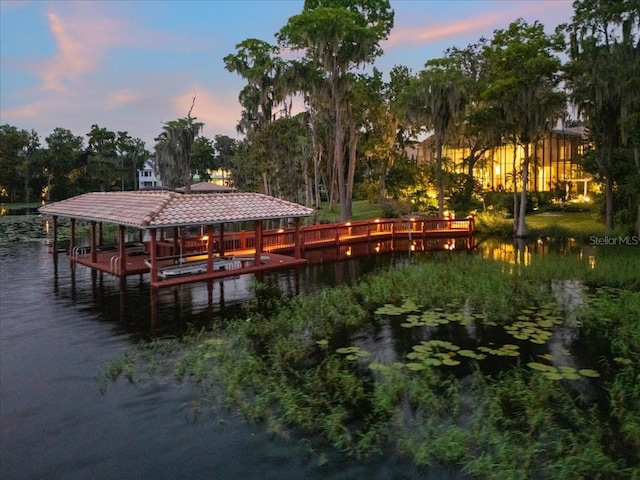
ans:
(521, 231)
(353, 143)
(636, 157)
(608, 204)
(338, 158)
(316, 174)
(439, 182)
(516, 209)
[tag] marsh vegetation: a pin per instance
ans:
(501, 369)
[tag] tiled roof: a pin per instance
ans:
(170, 209)
(207, 187)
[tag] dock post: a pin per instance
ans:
(122, 252)
(258, 241)
(154, 256)
(297, 252)
(210, 249)
(55, 239)
(94, 249)
(221, 240)
(72, 239)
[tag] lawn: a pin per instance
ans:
(574, 223)
(361, 210)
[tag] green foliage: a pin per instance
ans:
(306, 364)
(494, 223)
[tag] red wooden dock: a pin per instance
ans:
(275, 243)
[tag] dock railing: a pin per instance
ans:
(323, 235)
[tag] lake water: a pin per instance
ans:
(61, 326)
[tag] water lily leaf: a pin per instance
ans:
(623, 361)
(571, 376)
(510, 353)
(347, 349)
(467, 353)
(553, 375)
(432, 362)
(450, 362)
(567, 369)
(422, 348)
(379, 367)
(588, 372)
(353, 353)
(541, 367)
(416, 366)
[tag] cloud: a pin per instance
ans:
(428, 34)
(123, 98)
(505, 12)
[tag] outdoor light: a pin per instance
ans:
(348, 252)
(205, 238)
(281, 230)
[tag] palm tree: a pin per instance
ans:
(437, 99)
(174, 148)
(524, 76)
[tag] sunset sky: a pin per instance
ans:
(132, 65)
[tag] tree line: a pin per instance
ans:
(354, 129)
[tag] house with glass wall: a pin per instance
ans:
(555, 163)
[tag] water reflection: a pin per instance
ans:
(152, 312)
(61, 325)
(522, 251)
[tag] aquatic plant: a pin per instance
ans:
(472, 379)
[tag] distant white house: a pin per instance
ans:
(149, 175)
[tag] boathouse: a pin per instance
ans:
(181, 238)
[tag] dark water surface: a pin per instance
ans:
(59, 329)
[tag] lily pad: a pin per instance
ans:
(541, 367)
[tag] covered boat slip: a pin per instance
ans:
(154, 214)
(182, 238)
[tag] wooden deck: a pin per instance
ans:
(349, 238)
(136, 265)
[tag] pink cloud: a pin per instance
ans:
(122, 98)
(484, 24)
(426, 34)
(81, 40)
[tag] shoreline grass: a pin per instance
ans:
(304, 365)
